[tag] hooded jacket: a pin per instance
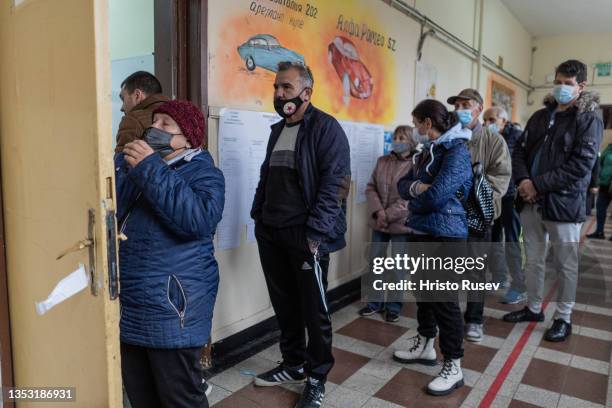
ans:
(567, 152)
(381, 192)
(446, 165)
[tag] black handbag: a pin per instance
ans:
(479, 205)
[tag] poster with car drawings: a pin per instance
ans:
(351, 47)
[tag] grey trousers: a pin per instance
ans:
(565, 240)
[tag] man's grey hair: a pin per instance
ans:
(499, 112)
(301, 68)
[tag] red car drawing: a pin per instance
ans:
(356, 79)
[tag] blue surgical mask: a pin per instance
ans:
(465, 116)
(423, 138)
(400, 148)
(493, 127)
(564, 94)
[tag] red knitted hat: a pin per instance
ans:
(189, 118)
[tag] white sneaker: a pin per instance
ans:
(474, 332)
(421, 352)
(208, 387)
(449, 378)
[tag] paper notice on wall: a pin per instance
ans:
(426, 81)
(369, 141)
(367, 144)
(67, 287)
(350, 135)
(251, 232)
(243, 139)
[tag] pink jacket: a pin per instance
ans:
(381, 193)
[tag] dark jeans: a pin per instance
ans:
(298, 297)
(474, 312)
(168, 378)
(443, 315)
(381, 250)
(507, 256)
(603, 201)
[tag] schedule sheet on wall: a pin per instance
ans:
(243, 138)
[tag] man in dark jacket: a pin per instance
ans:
(552, 166)
(170, 198)
(300, 218)
(489, 149)
(507, 256)
(141, 95)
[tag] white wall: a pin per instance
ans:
(130, 28)
(588, 48)
(243, 299)
(502, 35)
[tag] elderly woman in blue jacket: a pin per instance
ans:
(441, 176)
(170, 199)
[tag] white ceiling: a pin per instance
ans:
(555, 17)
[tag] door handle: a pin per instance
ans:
(90, 243)
(75, 248)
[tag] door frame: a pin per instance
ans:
(6, 354)
(181, 49)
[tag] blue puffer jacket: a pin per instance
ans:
(168, 273)
(446, 165)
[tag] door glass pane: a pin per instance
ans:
(131, 46)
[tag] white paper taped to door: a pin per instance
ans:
(67, 287)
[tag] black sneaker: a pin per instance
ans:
(391, 316)
(313, 394)
(523, 315)
(368, 311)
(597, 235)
(283, 374)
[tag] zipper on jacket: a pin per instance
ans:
(124, 221)
(180, 313)
(296, 154)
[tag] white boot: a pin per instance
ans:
(421, 352)
(449, 378)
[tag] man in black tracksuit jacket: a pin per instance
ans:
(300, 218)
(551, 166)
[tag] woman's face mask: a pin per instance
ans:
(421, 137)
(400, 147)
(159, 140)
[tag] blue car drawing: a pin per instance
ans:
(264, 50)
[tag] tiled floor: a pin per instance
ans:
(575, 373)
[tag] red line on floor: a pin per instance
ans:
(518, 348)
